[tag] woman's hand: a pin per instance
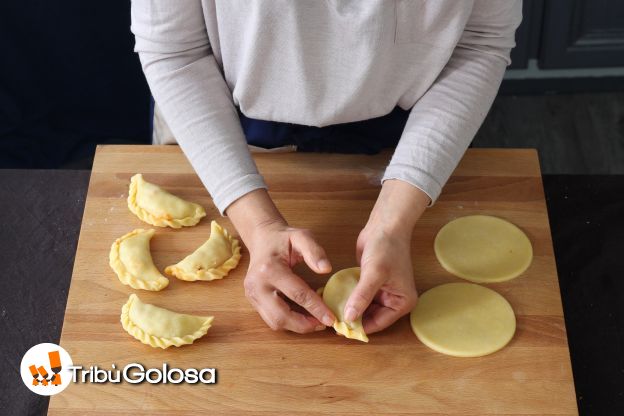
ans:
(386, 290)
(274, 249)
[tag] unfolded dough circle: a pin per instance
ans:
(158, 207)
(212, 260)
(159, 327)
(463, 320)
(335, 295)
(483, 248)
(131, 260)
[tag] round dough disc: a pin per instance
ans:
(483, 249)
(463, 320)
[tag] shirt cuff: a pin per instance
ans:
(236, 189)
(415, 177)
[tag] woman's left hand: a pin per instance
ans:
(386, 290)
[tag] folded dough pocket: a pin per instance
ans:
(335, 294)
(131, 260)
(212, 260)
(159, 327)
(158, 207)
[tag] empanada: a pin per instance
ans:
(335, 294)
(159, 327)
(131, 259)
(212, 260)
(158, 207)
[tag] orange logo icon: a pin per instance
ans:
(45, 369)
(55, 367)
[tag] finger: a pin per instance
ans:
(379, 317)
(370, 282)
(392, 301)
(313, 254)
(359, 249)
(299, 292)
(278, 315)
(273, 310)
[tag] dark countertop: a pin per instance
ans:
(41, 214)
(42, 210)
(586, 216)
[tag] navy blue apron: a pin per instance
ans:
(367, 136)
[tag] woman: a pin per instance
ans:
(324, 63)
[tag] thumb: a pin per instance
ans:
(370, 282)
(313, 254)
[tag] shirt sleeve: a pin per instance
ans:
(445, 119)
(185, 80)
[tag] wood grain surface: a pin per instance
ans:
(266, 372)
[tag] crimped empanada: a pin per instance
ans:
(158, 207)
(212, 260)
(131, 259)
(159, 327)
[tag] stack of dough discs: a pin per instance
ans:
(463, 320)
(483, 249)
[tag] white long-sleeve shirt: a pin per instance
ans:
(318, 63)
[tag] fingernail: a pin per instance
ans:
(323, 265)
(327, 320)
(319, 327)
(350, 314)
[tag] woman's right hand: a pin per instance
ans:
(274, 249)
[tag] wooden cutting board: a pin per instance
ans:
(279, 373)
